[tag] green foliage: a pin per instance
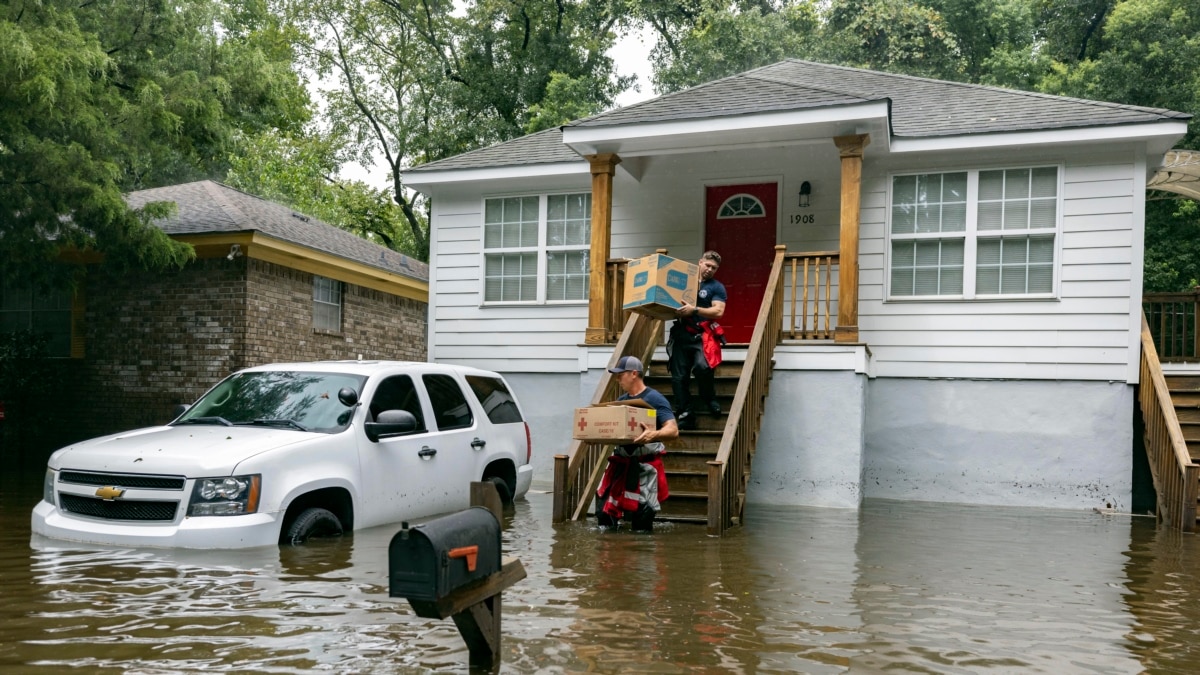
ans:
(100, 98)
(717, 39)
(566, 99)
(893, 35)
(300, 171)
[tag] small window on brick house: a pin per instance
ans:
(46, 313)
(327, 304)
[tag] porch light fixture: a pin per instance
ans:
(805, 191)
(235, 251)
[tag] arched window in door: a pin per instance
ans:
(741, 206)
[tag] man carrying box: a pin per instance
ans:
(635, 481)
(685, 348)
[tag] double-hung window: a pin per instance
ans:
(327, 304)
(974, 234)
(535, 248)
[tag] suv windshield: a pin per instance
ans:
(303, 401)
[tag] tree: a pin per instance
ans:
(703, 41)
(101, 98)
(413, 81)
(898, 36)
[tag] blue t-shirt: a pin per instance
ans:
(662, 409)
(710, 290)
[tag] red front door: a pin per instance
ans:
(740, 223)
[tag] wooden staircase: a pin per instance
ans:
(688, 456)
(707, 470)
(1171, 416)
(1185, 398)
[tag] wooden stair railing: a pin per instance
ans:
(808, 281)
(577, 474)
(728, 473)
(1176, 477)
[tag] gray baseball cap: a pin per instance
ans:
(628, 363)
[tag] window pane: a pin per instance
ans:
(991, 185)
(991, 215)
(927, 267)
(450, 409)
(1016, 184)
(510, 277)
(1016, 215)
(1043, 213)
(327, 304)
(567, 275)
(929, 203)
(510, 222)
(1015, 265)
(1045, 182)
(903, 219)
(497, 402)
(569, 220)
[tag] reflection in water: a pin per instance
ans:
(895, 587)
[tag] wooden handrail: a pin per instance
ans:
(1176, 477)
(1172, 318)
(577, 473)
(808, 280)
(728, 472)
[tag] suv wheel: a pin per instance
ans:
(502, 488)
(312, 522)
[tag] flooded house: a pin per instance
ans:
(935, 288)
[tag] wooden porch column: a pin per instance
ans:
(851, 150)
(603, 168)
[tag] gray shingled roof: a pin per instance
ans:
(543, 147)
(921, 108)
(208, 207)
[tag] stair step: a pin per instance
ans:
(687, 481)
(1187, 415)
(1185, 399)
(731, 369)
(1183, 382)
(688, 462)
(703, 441)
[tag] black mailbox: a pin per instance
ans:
(429, 561)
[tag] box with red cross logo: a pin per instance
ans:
(616, 422)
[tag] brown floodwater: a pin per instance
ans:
(896, 587)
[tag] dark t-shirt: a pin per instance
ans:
(708, 292)
(662, 414)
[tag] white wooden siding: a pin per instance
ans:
(1084, 334)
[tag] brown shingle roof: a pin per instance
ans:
(208, 207)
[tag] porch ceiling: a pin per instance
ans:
(1179, 173)
(741, 131)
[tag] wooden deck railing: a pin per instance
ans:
(808, 286)
(577, 473)
(614, 299)
(727, 473)
(1176, 477)
(1172, 321)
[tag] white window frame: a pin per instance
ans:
(541, 251)
(971, 236)
(323, 300)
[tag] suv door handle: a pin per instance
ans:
(478, 443)
(427, 451)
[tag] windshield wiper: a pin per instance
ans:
(212, 419)
(293, 424)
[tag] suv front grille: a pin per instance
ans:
(124, 480)
(119, 509)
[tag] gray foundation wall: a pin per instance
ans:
(1017, 443)
(833, 438)
(810, 449)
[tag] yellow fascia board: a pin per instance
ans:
(270, 249)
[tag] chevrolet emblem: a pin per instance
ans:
(109, 493)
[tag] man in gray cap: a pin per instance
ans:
(635, 482)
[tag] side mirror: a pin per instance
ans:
(347, 396)
(179, 410)
(391, 423)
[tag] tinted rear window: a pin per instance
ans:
(495, 398)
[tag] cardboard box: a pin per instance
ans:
(657, 285)
(615, 422)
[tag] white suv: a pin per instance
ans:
(285, 452)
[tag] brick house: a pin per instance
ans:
(267, 285)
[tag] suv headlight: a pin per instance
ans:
(48, 487)
(225, 496)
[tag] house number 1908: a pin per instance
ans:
(800, 218)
